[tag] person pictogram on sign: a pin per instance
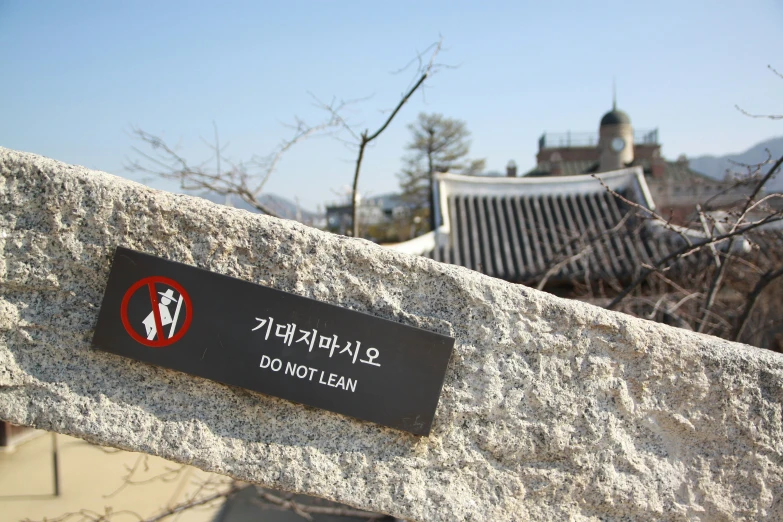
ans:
(146, 294)
(165, 315)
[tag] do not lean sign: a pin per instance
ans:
(170, 311)
(274, 342)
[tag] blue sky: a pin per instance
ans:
(78, 76)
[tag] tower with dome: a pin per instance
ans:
(674, 186)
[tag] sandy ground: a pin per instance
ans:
(92, 478)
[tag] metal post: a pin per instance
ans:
(55, 466)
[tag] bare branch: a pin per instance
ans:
(557, 266)
(217, 147)
(336, 110)
(239, 180)
(577, 239)
(687, 250)
(302, 132)
(739, 227)
(760, 185)
(417, 58)
(752, 297)
(233, 488)
(665, 222)
(306, 511)
(366, 137)
(170, 165)
(715, 286)
(128, 479)
(767, 116)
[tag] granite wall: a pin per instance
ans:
(551, 410)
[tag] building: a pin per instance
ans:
(675, 187)
(558, 229)
(595, 213)
(377, 215)
(584, 213)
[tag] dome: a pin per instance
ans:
(615, 117)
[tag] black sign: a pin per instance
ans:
(273, 342)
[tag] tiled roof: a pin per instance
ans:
(561, 228)
(674, 170)
(680, 172)
(570, 168)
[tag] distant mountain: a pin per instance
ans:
(283, 207)
(716, 166)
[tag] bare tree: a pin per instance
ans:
(424, 70)
(245, 180)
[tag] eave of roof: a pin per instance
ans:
(515, 228)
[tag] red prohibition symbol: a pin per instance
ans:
(157, 337)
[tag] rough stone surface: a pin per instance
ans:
(551, 410)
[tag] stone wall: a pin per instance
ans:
(551, 410)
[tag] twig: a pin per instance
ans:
(737, 228)
(128, 480)
(235, 486)
(557, 266)
(767, 116)
(760, 185)
(306, 511)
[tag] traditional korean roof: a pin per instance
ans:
(558, 228)
(676, 171)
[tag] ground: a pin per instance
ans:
(88, 475)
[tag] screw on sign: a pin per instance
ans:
(170, 312)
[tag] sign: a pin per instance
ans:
(243, 334)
